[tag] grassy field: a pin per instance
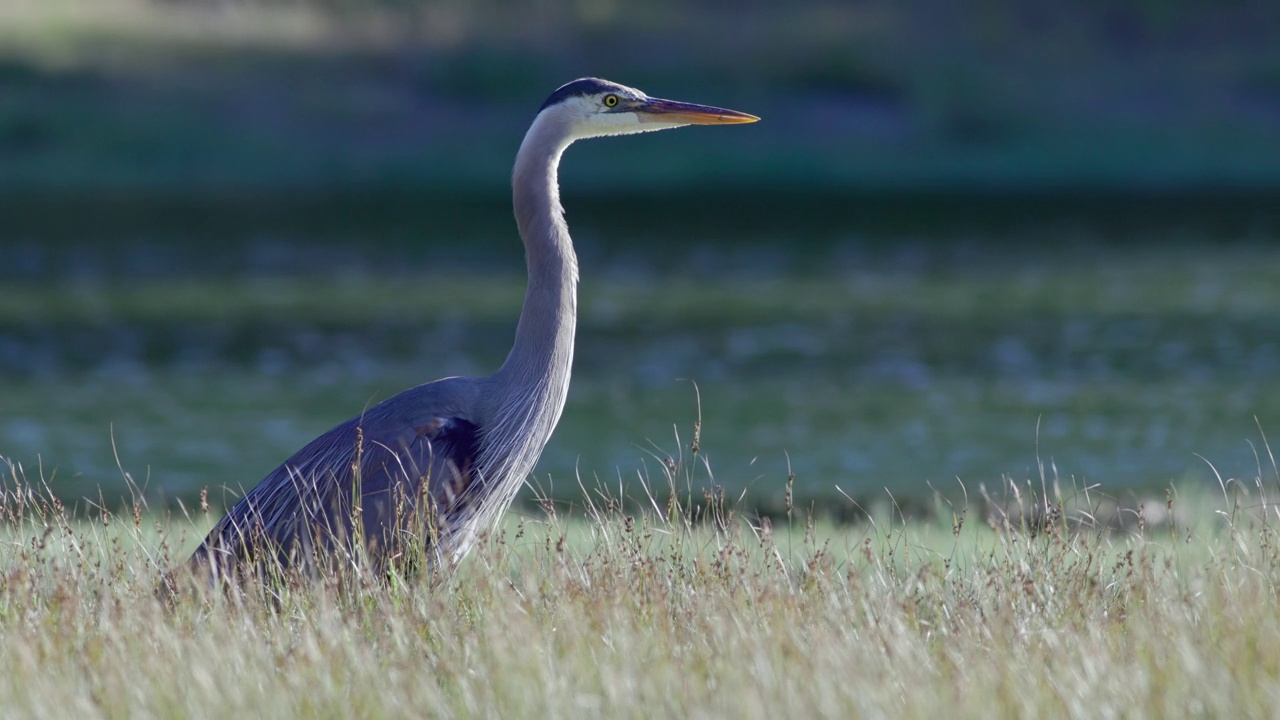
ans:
(974, 456)
(1027, 608)
(857, 363)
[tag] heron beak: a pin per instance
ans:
(672, 112)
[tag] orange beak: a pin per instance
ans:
(670, 111)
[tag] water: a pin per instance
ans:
(924, 344)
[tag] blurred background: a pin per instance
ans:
(968, 243)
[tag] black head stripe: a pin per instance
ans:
(584, 86)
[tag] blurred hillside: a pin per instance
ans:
(187, 96)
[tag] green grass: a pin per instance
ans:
(650, 613)
(1119, 365)
(1055, 281)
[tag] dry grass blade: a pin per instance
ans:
(638, 613)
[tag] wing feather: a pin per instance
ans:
(413, 480)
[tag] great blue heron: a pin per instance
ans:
(427, 469)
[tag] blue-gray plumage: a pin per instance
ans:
(426, 470)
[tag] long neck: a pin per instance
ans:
(531, 386)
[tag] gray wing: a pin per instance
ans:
(412, 473)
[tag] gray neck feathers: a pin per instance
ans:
(527, 394)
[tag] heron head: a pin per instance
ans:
(591, 107)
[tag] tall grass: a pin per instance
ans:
(655, 612)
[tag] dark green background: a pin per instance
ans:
(964, 242)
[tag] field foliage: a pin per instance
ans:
(1030, 607)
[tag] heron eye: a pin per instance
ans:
(610, 100)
